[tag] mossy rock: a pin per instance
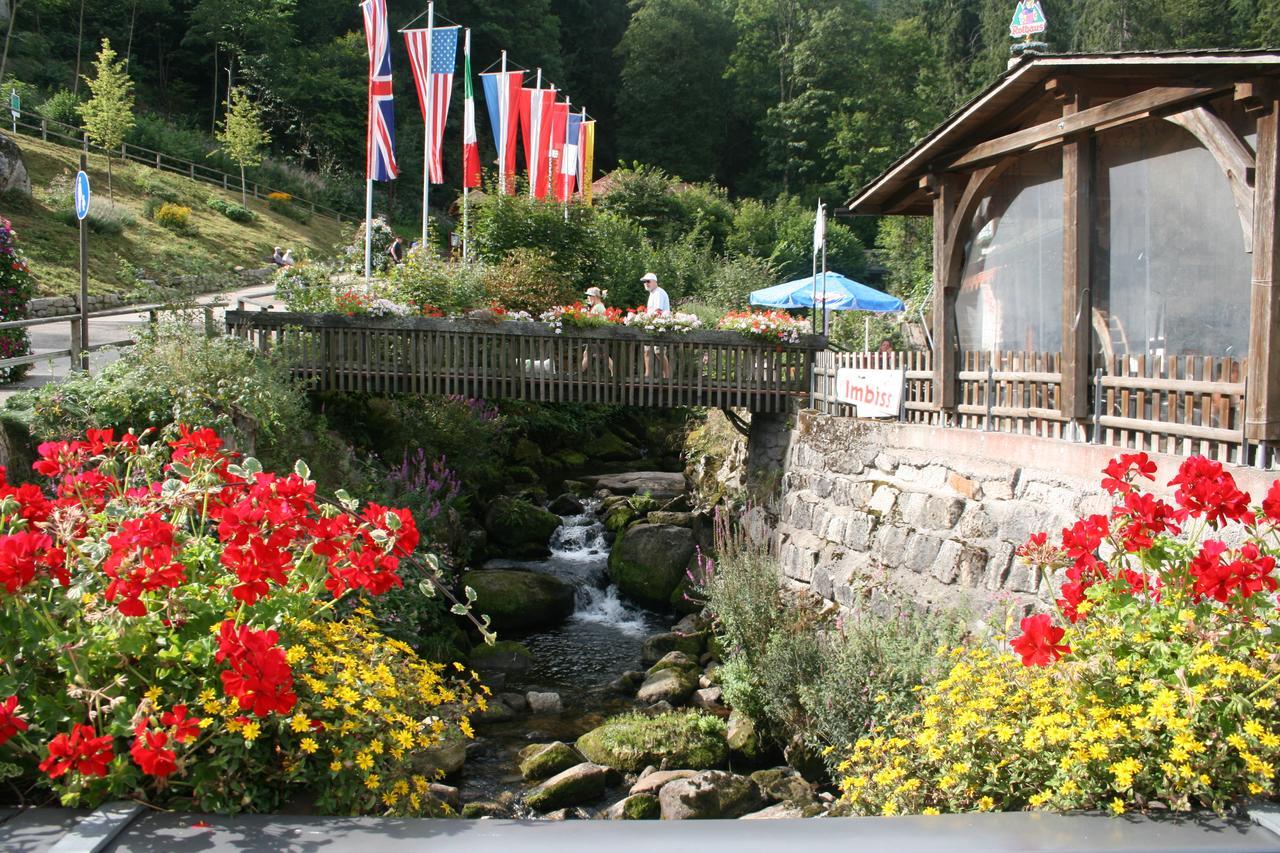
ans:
(522, 474)
(512, 522)
(657, 646)
(581, 783)
(609, 447)
(618, 517)
(543, 760)
(570, 459)
(636, 807)
(649, 560)
(520, 601)
(631, 742)
(527, 453)
(683, 599)
(503, 656)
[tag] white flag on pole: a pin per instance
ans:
(820, 228)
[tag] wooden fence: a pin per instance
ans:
(531, 361)
(1182, 405)
(65, 134)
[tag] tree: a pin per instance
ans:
(108, 114)
(242, 134)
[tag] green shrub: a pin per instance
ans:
(176, 375)
(423, 280)
(231, 210)
(15, 290)
(730, 284)
(527, 280)
(102, 219)
(379, 259)
(175, 217)
(62, 106)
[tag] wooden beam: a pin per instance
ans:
(1111, 112)
(1077, 302)
(1254, 94)
(1262, 397)
(1233, 156)
(945, 355)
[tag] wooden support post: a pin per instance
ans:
(1077, 225)
(944, 190)
(1262, 403)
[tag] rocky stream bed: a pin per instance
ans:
(605, 696)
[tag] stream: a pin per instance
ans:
(577, 659)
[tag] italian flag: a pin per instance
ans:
(470, 148)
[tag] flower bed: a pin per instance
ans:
(15, 292)
(772, 326)
(1154, 687)
(168, 633)
(579, 316)
(660, 324)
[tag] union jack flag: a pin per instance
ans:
(380, 142)
(433, 53)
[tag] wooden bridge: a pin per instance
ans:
(531, 361)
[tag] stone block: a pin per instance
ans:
(922, 551)
(907, 473)
(973, 563)
(891, 545)
(1021, 578)
(934, 476)
(999, 564)
(882, 500)
(858, 529)
(911, 508)
(821, 486)
(886, 462)
(975, 523)
(965, 487)
(835, 529)
(846, 463)
(997, 490)
(942, 513)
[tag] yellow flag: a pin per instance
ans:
(588, 159)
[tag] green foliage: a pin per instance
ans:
(175, 217)
(782, 234)
(176, 375)
(526, 280)
(111, 221)
(242, 135)
(732, 282)
(426, 280)
(232, 211)
(108, 114)
(62, 106)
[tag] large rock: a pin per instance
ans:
(635, 807)
(448, 756)
(544, 702)
(673, 660)
(653, 783)
(649, 561)
(657, 645)
(543, 760)
(741, 735)
(566, 504)
(520, 601)
(13, 171)
(608, 446)
(658, 484)
(505, 656)
(712, 794)
(783, 785)
(582, 783)
(673, 686)
(518, 527)
(631, 742)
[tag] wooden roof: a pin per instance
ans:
(994, 111)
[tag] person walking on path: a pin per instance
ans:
(659, 303)
(595, 305)
(396, 250)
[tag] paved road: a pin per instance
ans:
(55, 336)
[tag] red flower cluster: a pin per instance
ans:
(1205, 489)
(22, 553)
(259, 678)
(1120, 472)
(10, 723)
(1218, 578)
(82, 751)
(141, 561)
(1041, 642)
(150, 752)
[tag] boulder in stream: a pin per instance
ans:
(448, 756)
(505, 656)
(547, 702)
(649, 561)
(656, 646)
(544, 760)
(520, 601)
(673, 686)
(566, 504)
(711, 794)
(635, 807)
(631, 742)
(582, 783)
(519, 528)
(661, 485)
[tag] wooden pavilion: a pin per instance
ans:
(1104, 250)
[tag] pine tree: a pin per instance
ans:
(242, 134)
(108, 114)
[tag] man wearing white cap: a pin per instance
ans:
(659, 303)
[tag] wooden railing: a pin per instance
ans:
(65, 134)
(1181, 405)
(530, 361)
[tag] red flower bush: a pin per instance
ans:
(151, 755)
(10, 723)
(259, 678)
(1041, 642)
(82, 751)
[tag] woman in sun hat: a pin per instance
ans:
(595, 300)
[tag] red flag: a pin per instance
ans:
(535, 125)
(559, 122)
(470, 147)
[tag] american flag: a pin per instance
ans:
(433, 53)
(380, 142)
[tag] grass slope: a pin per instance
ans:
(214, 246)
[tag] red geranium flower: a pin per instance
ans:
(259, 678)
(21, 554)
(255, 563)
(1040, 643)
(141, 561)
(82, 751)
(10, 722)
(184, 728)
(149, 752)
(1205, 489)
(1271, 503)
(1124, 469)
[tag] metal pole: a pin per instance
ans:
(824, 281)
(368, 228)
(84, 281)
(426, 134)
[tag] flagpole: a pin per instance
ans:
(466, 190)
(813, 278)
(535, 130)
(824, 276)
(426, 135)
(368, 228)
(505, 126)
(564, 176)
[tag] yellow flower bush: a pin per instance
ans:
(1161, 689)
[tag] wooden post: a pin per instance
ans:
(1262, 403)
(1077, 225)
(44, 130)
(943, 189)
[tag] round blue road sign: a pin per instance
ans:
(82, 195)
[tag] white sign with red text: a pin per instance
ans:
(875, 393)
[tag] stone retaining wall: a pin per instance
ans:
(56, 306)
(934, 514)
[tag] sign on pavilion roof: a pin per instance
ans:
(1028, 19)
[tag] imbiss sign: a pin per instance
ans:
(875, 393)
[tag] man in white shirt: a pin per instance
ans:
(659, 303)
